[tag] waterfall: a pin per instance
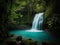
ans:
(37, 21)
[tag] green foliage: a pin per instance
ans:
(21, 4)
(48, 11)
(49, 18)
(40, 7)
(17, 5)
(30, 5)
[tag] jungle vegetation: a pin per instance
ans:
(21, 12)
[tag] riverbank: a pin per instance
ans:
(19, 40)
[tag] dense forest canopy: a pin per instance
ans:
(22, 10)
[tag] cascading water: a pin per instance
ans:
(37, 23)
(38, 20)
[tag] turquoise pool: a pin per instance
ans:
(37, 36)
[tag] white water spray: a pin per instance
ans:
(37, 23)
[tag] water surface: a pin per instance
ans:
(37, 36)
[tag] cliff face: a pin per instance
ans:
(52, 16)
(3, 20)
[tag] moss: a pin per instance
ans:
(48, 11)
